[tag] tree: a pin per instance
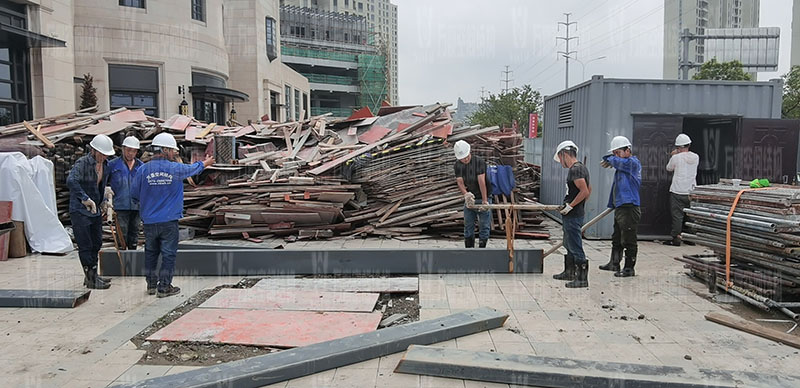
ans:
(88, 92)
(722, 71)
(502, 109)
(791, 94)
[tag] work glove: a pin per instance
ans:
(469, 199)
(90, 205)
(104, 207)
(605, 164)
(109, 194)
(565, 209)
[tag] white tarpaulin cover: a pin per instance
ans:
(30, 185)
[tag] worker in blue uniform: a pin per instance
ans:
(123, 169)
(88, 202)
(158, 187)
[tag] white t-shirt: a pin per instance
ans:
(684, 167)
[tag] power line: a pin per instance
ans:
(610, 34)
(566, 40)
(507, 80)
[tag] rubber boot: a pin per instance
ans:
(92, 282)
(482, 243)
(581, 276)
(613, 261)
(627, 271)
(469, 242)
(103, 279)
(569, 269)
(676, 242)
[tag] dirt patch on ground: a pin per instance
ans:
(205, 354)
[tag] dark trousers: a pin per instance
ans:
(160, 238)
(677, 203)
(88, 233)
(129, 224)
(626, 226)
(573, 240)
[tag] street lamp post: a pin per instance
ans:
(583, 64)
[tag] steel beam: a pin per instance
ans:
(517, 369)
(256, 262)
(43, 298)
(306, 360)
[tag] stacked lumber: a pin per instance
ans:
(764, 238)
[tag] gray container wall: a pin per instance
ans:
(533, 150)
(605, 108)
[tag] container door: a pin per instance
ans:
(653, 140)
(768, 149)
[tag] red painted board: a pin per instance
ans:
(374, 134)
(362, 113)
(131, 116)
(402, 127)
(443, 131)
(104, 127)
(284, 329)
(264, 299)
(177, 122)
(52, 128)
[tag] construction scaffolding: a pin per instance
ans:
(372, 80)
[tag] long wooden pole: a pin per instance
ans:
(583, 229)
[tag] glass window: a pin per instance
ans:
(132, 3)
(272, 51)
(6, 115)
(5, 72)
(287, 99)
(121, 99)
(5, 90)
(4, 54)
(199, 10)
(297, 104)
(134, 87)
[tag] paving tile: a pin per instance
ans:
(482, 384)
(518, 347)
(181, 369)
(553, 349)
(321, 379)
(345, 377)
(387, 378)
(137, 373)
(86, 384)
(263, 327)
(440, 382)
(295, 300)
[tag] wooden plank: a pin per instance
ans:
(755, 329)
(42, 138)
(300, 144)
(104, 127)
(390, 211)
(523, 369)
(206, 131)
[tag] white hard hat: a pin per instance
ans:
(682, 140)
(165, 140)
(619, 142)
(562, 146)
(461, 149)
(103, 144)
(131, 142)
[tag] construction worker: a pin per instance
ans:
(576, 267)
(624, 199)
(474, 183)
(683, 165)
(122, 172)
(158, 187)
(87, 182)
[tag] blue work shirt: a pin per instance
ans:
(158, 187)
(82, 183)
(627, 179)
(120, 180)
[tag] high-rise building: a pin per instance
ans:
(381, 17)
(796, 33)
(697, 16)
(334, 51)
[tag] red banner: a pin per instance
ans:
(533, 125)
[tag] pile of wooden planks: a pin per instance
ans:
(386, 174)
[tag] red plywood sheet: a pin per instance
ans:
(192, 132)
(177, 122)
(266, 327)
(286, 300)
(443, 131)
(402, 127)
(362, 113)
(104, 127)
(130, 116)
(374, 134)
(52, 128)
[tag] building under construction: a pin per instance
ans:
(346, 70)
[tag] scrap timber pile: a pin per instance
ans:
(385, 174)
(764, 240)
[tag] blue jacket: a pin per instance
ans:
(158, 187)
(627, 180)
(82, 184)
(120, 180)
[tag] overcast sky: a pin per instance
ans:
(452, 48)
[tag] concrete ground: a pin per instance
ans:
(654, 318)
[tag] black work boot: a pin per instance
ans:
(581, 276)
(92, 282)
(168, 291)
(151, 288)
(482, 243)
(627, 271)
(469, 242)
(102, 279)
(569, 269)
(676, 242)
(613, 261)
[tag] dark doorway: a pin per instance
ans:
(274, 105)
(714, 140)
(209, 110)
